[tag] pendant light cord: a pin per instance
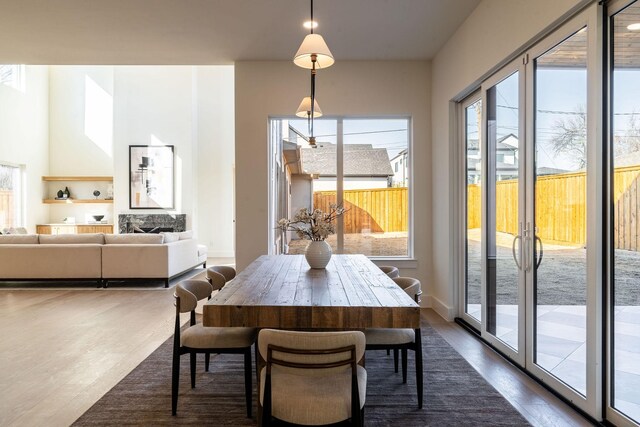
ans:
(313, 80)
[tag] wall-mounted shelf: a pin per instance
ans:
(74, 228)
(76, 201)
(77, 178)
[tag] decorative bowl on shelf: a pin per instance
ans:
(98, 218)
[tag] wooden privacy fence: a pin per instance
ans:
(561, 207)
(378, 210)
(626, 193)
(7, 208)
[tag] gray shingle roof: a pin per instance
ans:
(359, 160)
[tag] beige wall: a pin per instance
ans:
(492, 33)
(353, 88)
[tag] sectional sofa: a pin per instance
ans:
(99, 257)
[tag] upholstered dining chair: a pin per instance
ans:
(199, 339)
(390, 271)
(401, 340)
(312, 378)
(215, 279)
(228, 272)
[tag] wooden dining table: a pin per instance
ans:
(283, 292)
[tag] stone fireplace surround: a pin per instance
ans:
(130, 223)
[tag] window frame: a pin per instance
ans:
(20, 214)
(408, 164)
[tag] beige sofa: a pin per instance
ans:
(98, 257)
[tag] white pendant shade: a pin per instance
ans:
(313, 44)
(304, 110)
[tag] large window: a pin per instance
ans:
(10, 196)
(362, 164)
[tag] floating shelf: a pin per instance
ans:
(77, 178)
(76, 201)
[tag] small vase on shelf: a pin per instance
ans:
(318, 254)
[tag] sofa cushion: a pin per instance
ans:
(133, 239)
(96, 238)
(170, 237)
(20, 239)
(185, 235)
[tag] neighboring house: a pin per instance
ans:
(506, 159)
(365, 167)
(400, 169)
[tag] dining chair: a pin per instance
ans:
(312, 378)
(228, 272)
(199, 339)
(390, 271)
(401, 340)
(215, 279)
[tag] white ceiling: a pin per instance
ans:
(220, 31)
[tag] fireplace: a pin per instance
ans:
(151, 223)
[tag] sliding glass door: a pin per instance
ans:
(539, 161)
(472, 301)
(624, 218)
(560, 211)
(504, 211)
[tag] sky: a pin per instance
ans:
(381, 133)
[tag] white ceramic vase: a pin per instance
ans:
(318, 254)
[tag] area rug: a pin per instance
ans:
(454, 393)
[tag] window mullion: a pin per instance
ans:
(339, 183)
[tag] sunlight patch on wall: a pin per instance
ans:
(98, 116)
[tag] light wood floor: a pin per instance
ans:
(62, 349)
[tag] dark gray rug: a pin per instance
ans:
(455, 394)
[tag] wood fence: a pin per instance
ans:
(561, 207)
(378, 210)
(7, 208)
(626, 193)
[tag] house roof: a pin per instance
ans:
(400, 154)
(501, 143)
(359, 160)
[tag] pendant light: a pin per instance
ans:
(312, 54)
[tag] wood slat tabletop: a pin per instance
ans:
(281, 291)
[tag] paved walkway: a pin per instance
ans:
(561, 347)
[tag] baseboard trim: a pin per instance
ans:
(445, 311)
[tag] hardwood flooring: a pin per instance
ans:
(539, 406)
(62, 349)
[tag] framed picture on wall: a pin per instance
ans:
(151, 177)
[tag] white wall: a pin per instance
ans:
(153, 106)
(347, 88)
(80, 136)
(24, 138)
(301, 194)
(98, 111)
(495, 30)
(215, 162)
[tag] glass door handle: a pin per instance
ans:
(527, 240)
(513, 251)
(539, 260)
